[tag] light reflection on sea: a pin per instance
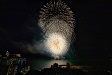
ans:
(45, 63)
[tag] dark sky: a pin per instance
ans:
(18, 26)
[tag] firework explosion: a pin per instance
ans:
(57, 23)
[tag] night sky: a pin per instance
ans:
(18, 26)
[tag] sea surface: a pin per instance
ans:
(37, 64)
(41, 63)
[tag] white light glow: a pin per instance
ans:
(56, 43)
(57, 23)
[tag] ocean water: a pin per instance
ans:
(37, 64)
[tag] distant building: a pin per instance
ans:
(57, 57)
(0, 55)
(18, 55)
(55, 65)
(67, 65)
(7, 53)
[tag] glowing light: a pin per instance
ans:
(57, 23)
(56, 43)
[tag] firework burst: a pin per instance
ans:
(57, 23)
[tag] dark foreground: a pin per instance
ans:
(68, 72)
(20, 66)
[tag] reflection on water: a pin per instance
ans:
(45, 63)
